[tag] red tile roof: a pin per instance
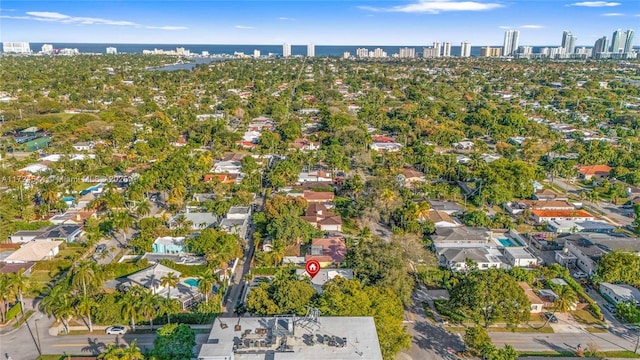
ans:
(561, 213)
(333, 249)
(595, 170)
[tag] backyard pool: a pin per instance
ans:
(191, 282)
(68, 199)
(506, 242)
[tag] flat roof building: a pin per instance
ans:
(291, 337)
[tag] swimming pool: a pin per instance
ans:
(506, 242)
(191, 282)
(68, 199)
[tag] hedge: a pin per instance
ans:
(593, 306)
(186, 270)
(13, 312)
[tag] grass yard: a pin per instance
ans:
(596, 329)
(585, 317)
(43, 276)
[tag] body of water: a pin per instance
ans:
(321, 50)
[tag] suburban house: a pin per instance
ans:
(305, 145)
(448, 207)
(314, 176)
(72, 217)
(519, 256)
(151, 278)
(198, 220)
(441, 219)
(34, 251)
(237, 221)
(447, 236)
(456, 258)
(463, 145)
(587, 254)
(324, 276)
(618, 293)
(67, 233)
(411, 176)
(16, 267)
(84, 145)
(327, 251)
(594, 171)
(169, 245)
(321, 197)
(386, 146)
(318, 216)
(577, 225)
(536, 302)
(519, 206)
(547, 194)
(542, 216)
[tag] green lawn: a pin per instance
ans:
(43, 276)
(596, 329)
(585, 317)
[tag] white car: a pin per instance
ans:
(579, 275)
(116, 330)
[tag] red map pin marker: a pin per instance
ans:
(313, 267)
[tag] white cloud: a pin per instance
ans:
(436, 7)
(505, 27)
(284, 18)
(244, 27)
(80, 20)
(595, 4)
(531, 26)
(612, 14)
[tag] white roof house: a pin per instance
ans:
(35, 168)
(150, 277)
(34, 251)
(620, 293)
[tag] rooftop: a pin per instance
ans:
(595, 170)
(262, 338)
(33, 251)
(562, 213)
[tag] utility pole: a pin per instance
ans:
(38, 337)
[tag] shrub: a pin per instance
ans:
(13, 312)
(186, 270)
(593, 306)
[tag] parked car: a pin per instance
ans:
(116, 330)
(100, 248)
(549, 316)
(579, 275)
(611, 308)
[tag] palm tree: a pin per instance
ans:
(122, 221)
(86, 277)
(167, 307)
(170, 280)
(149, 306)
(5, 296)
(206, 280)
(144, 208)
(131, 304)
(19, 283)
(115, 352)
(83, 306)
(567, 298)
(593, 196)
(58, 303)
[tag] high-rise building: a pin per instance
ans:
(346, 55)
(311, 50)
(256, 53)
(446, 49)
(568, 42)
(407, 52)
(378, 53)
(112, 51)
(16, 47)
(511, 38)
(488, 51)
(465, 49)
(362, 52)
(437, 49)
(525, 52)
(47, 49)
(429, 52)
(601, 46)
(628, 41)
(286, 50)
(617, 44)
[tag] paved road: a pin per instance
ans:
(565, 341)
(430, 341)
(613, 212)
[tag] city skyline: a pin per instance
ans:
(480, 22)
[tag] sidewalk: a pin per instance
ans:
(28, 305)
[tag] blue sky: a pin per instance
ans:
(328, 22)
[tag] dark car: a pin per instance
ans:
(549, 316)
(100, 248)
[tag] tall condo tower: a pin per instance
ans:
(568, 42)
(286, 50)
(628, 43)
(311, 50)
(437, 50)
(617, 43)
(465, 49)
(601, 45)
(511, 38)
(446, 49)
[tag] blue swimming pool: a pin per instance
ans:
(191, 282)
(506, 242)
(68, 199)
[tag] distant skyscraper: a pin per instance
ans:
(286, 50)
(407, 52)
(362, 52)
(628, 43)
(525, 51)
(16, 47)
(511, 38)
(256, 53)
(601, 45)
(429, 52)
(311, 50)
(378, 53)
(47, 49)
(346, 55)
(437, 50)
(488, 51)
(617, 44)
(446, 49)
(112, 51)
(465, 49)
(568, 42)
